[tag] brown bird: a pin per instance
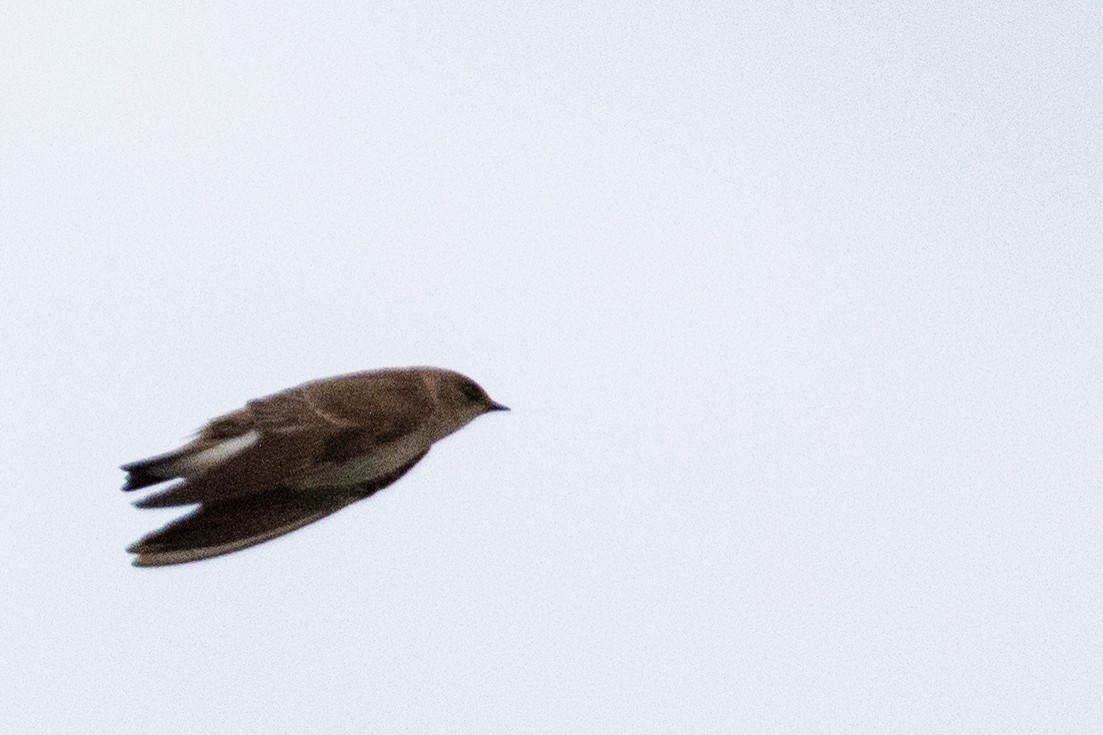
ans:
(296, 456)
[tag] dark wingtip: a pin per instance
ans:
(157, 500)
(144, 559)
(172, 496)
(141, 474)
(147, 544)
(137, 479)
(150, 471)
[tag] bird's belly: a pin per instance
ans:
(365, 468)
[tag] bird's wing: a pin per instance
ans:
(388, 404)
(290, 437)
(221, 527)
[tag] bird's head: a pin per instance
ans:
(460, 400)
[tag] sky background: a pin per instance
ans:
(798, 307)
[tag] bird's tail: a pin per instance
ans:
(153, 470)
(191, 459)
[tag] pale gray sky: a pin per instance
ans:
(798, 308)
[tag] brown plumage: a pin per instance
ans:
(294, 457)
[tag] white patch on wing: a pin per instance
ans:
(193, 464)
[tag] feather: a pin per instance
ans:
(219, 528)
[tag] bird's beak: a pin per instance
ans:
(497, 407)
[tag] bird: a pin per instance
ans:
(296, 456)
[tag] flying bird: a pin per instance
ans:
(296, 456)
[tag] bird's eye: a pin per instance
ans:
(472, 392)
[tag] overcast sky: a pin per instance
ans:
(799, 309)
